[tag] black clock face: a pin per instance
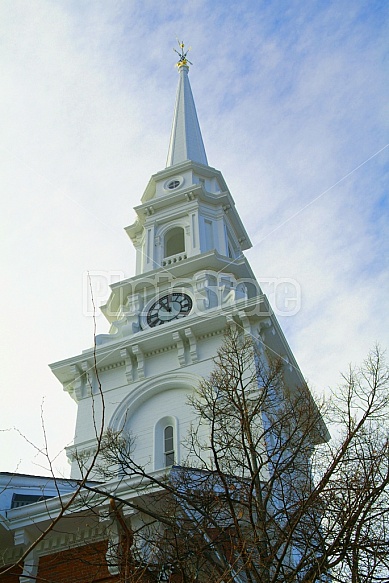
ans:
(167, 308)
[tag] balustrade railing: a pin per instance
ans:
(174, 259)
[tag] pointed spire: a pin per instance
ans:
(186, 142)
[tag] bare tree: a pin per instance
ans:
(264, 496)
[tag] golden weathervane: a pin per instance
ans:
(183, 61)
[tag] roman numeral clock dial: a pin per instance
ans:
(169, 307)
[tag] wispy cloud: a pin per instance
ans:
(292, 101)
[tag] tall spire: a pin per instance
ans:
(186, 142)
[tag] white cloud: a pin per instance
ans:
(291, 99)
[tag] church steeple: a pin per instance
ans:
(192, 280)
(186, 142)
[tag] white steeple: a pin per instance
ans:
(191, 280)
(186, 142)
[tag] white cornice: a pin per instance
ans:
(148, 340)
(188, 165)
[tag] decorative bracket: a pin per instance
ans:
(137, 352)
(192, 344)
(129, 369)
(180, 348)
(231, 322)
(21, 537)
(78, 383)
(287, 362)
(265, 324)
(246, 322)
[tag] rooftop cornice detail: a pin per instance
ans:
(201, 169)
(140, 342)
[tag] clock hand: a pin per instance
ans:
(165, 303)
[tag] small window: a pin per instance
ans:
(173, 184)
(169, 446)
(24, 499)
(166, 445)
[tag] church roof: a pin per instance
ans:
(186, 142)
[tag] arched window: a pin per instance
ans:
(174, 241)
(166, 443)
(169, 445)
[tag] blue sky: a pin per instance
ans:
(292, 99)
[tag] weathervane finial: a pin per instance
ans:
(183, 61)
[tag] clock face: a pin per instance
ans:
(169, 307)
